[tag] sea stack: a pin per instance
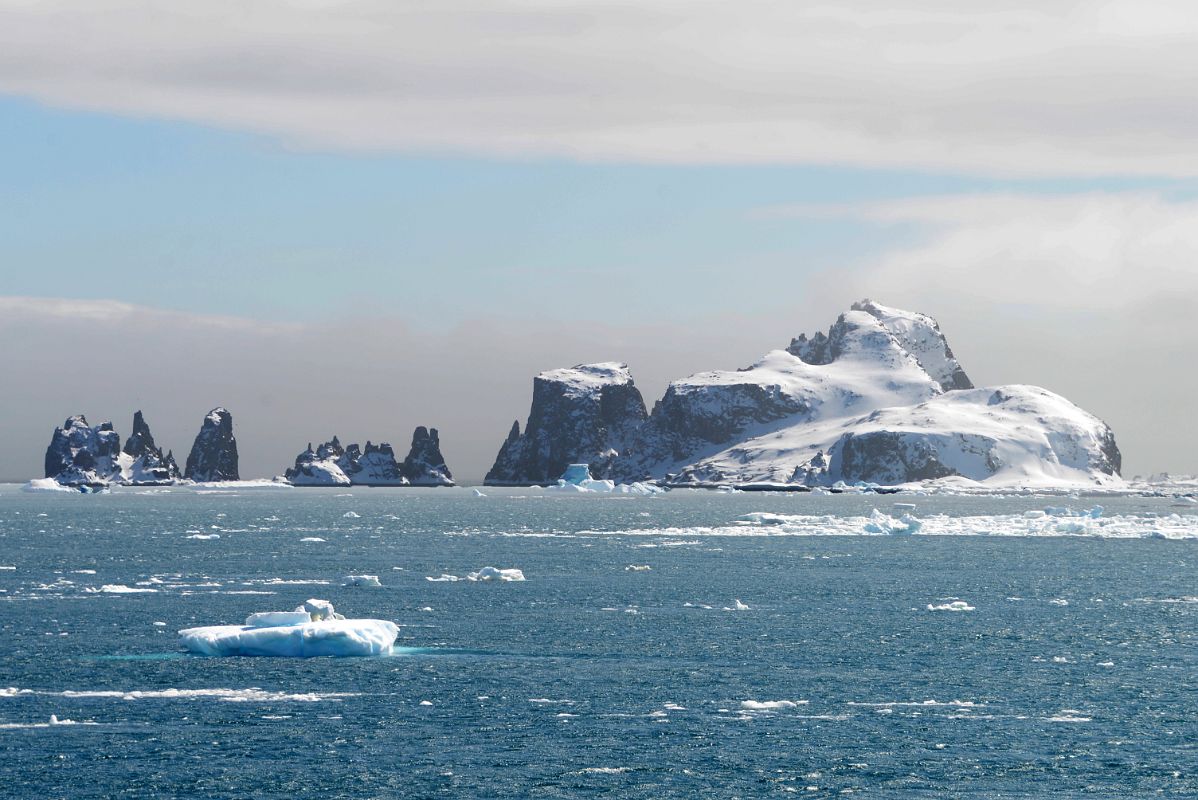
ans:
(144, 462)
(213, 457)
(425, 466)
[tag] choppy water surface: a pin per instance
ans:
(623, 666)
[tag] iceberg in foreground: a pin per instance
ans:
(313, 629)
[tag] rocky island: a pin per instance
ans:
(880, 398)
(85, 456)
(330, 464)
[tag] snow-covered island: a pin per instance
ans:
(313, 629)
(330, 464)
(80, 455)
(878, 399)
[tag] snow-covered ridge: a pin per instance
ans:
(879, 398)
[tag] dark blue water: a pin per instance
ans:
(1075, 675)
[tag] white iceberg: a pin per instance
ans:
(494, 574)
(361, 580)
(313, 629)
(956, 605)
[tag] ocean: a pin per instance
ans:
(691, 644)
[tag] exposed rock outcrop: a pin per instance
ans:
(585, 414)
(332, 465)
(213, 456)
(80, 455)
(142, 461)
(425, 466)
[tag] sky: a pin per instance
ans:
(358, 216)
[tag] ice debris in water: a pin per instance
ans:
(956, 605)
(495, 574)
(312, 629)
(882, 523)
(486, 574)
(737, 605)
(351, 515)
(769, 705)
(361, 580)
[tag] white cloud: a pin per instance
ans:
(987, 87)
(1067, 253)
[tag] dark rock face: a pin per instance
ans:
(585, 414)
(149, 466)
(425, 466)
(375, 464)
(692, 419)
(213, 457)
(888, 458)
(79, 454)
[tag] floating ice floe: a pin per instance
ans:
(370, 581)
(955, 605)
(496, 574)
(47, 485)
(637, 568)
(118, 588)
(313, 629)
(770, 705)
(351, 515)
(737, 605)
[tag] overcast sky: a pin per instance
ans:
(357, 216)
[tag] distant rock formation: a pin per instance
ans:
(324, 466)
(80, 455)
(330, 464)
(880, 398)
(213, 456)
(142, 461)
(425, 466)
(585, 414)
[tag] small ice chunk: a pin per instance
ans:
(479, 493)
(311, 539)
(496, 574)
(361, 580)
(737, 605)
(351, 515)
(769, 705)
(637, 568)
(956, 605)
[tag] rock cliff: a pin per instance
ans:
(213, 456)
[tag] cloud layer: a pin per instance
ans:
(996, 88)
